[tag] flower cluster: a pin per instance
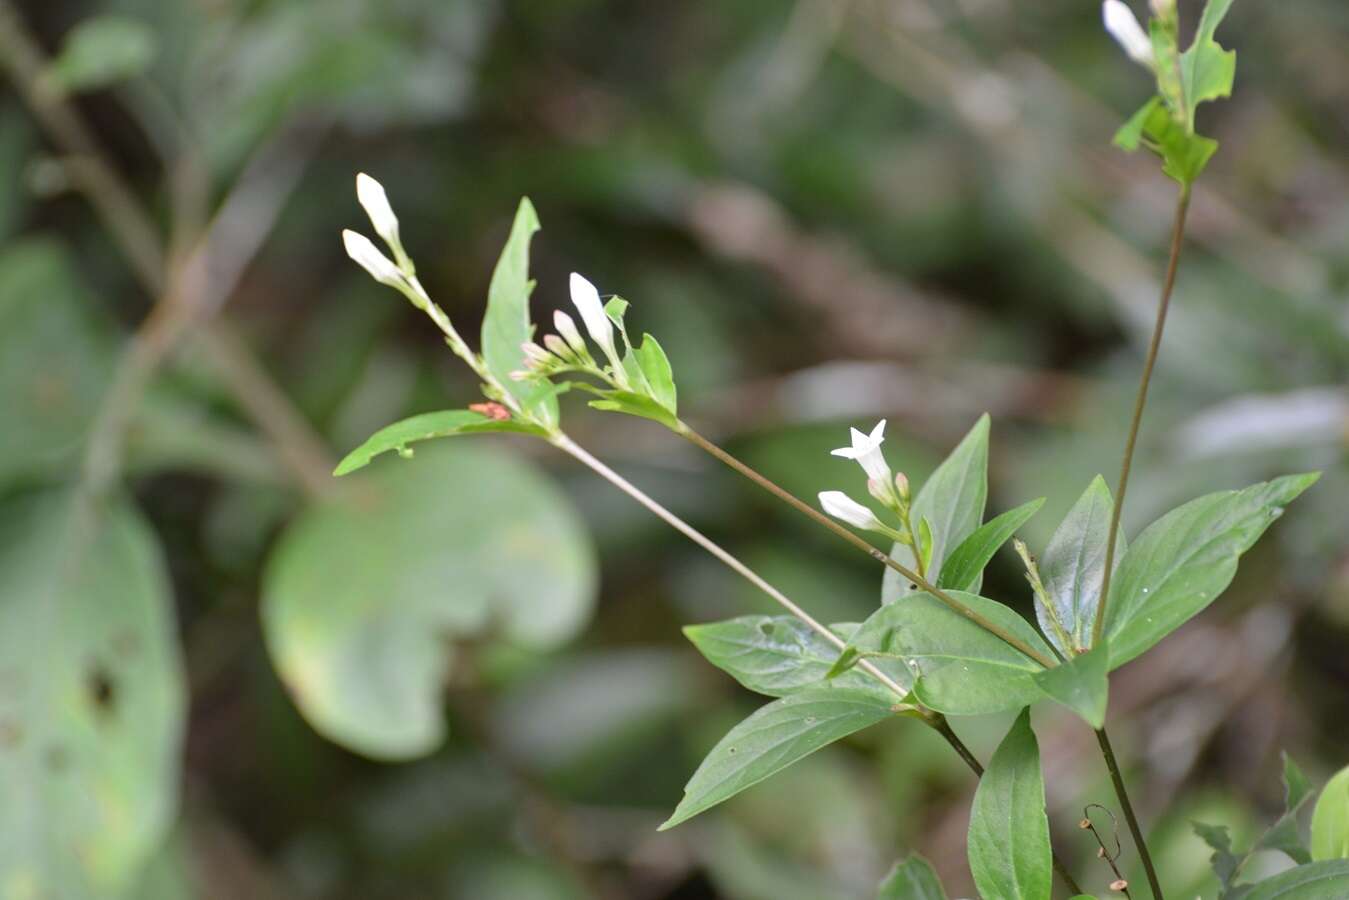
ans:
(566, 351)
(891, 491)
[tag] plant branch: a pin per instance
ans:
(567, 445)
(884, 558)
(1163, 306)
(1128, 809)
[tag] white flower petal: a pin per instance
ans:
(846, 509)
(587, 300)
(361, 249)
(866, 449)
(1124, 28)
(375, 202)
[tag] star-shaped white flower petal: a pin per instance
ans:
(866, 450)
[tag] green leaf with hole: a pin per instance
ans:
(773, 738)
(955, 666)
(953, 501)
(911, 879)
(1184, 560)
(369, 589)
(1080, 683)
(1330, 819)
(506, 325)
(1008, 846)
(446, 423)
(92, 696)
(1327, 880)
(964, 568)
(102, 51)
(777, 655)
(1072, 567)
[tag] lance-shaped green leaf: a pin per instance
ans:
(1330, 819)
(778, 655)
(773, 738)
(1184, 560)
(955, 666)
(1072, 566)
(911, 879)
(655, 367)
(506, 325)
(92, 702)
(446, 423)
(1328, 880)
(632, 404)
(1008, 848)
(964, 568)
(1081, 684)
(1207, 70)
(952, 501)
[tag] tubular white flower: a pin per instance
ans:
(846, 509)
(866, 450)
(361, 249)
(587, 301)
(1124, 28)
(375, 202)
(566, 327)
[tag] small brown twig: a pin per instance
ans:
(1120, 884)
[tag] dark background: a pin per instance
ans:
(829, 213)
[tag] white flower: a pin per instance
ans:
(846, 509)
(587, 301)
(363, 251)
(567, 328)
(1124, 28)
(866, 449)
(375, 202)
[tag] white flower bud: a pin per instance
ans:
(361, 249)
(846, 509)
(375, 202)
(536, 356)
(1124, 28)
(587, 301)
(567, 328)
(557, 346)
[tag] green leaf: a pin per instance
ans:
(911, 879)
(1284, 835)
(1327, 880)
(953, 502)
(1330, 819)
(659, 376)
(955, 666)
(367, 590)
(56, 358)
(777, 655)
(1207, 70)
(424, 427)
(1184, 560)
(1081, 684)
(1225, 863)
(1073, 564)
(1184, 154)
(506, 325)
(1130, 135)
(93, 706)
(773, 738)
(966, 563)
(634, 405)
(1009, 831)
(101, 51)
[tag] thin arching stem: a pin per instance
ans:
(1140, 401)
(583, 456)
(820, 518)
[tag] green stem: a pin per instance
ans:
(820, 518)
(1118, 780)
(1140, 401)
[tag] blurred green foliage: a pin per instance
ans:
(830, 213)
